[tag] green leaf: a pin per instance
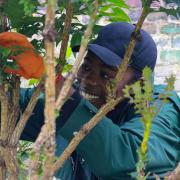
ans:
(105, 7)
(147, 73)
(68, 52)
(29, 6)
(24, 156)
(57, 113)
(137, 91)
(170, 82)
(173, 12)
(5, 52)
(121, 14)
(67, 68)
(119, 3)
(11, 64)
(33, 82)
(76, 38)
(126, 90)
(146, 3)
(14, 12)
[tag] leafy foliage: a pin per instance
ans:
(6, 62)
(22, 18)
(173, 12)
(29, 6)
(142, 98)
(113, 10)
(27, 17)
(23, 154)
(172, 7)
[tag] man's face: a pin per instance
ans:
(94, 76)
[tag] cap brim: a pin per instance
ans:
(104, 54)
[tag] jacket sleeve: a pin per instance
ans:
(111, 151)
(36, 120)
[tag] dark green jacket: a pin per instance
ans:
(109, 151)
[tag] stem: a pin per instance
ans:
(2, 169)
(4, 112)
(65, 35)
(13, 116)
(11, 161)
(26, 114)
(68, 82)
(8, 153)
(86, 128)
(47, 134)
(3, 18)
(49, 95)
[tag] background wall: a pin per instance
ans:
(165, 30)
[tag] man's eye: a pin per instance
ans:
(105, 76)
(85, 67)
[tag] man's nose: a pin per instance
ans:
(90, 78)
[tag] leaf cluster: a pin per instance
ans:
(114, 11)
(27, 17)
(141, 94)
(169, 9)
(170, 86)
(25, 153)
(22, 18)
(6, 62)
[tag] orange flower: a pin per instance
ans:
(30, 64)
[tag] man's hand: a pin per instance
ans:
(30, 64)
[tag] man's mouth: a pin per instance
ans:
(87, 95)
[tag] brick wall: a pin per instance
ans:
(165, 30)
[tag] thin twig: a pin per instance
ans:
(26, 114)
(86, 128)
(130, 48)
(65, 35)
(4, 111)
(13, 115)
(69, 80)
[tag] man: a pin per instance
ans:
(109, 151)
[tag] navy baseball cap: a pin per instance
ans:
(112, 41)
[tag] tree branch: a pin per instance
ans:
(13, 115)
(49, 129)
(4, 111)
(86, 128)
(69, 80)
(3, 123)
(130, 48)
(26, 114)
(47, 134)
(65, 35)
